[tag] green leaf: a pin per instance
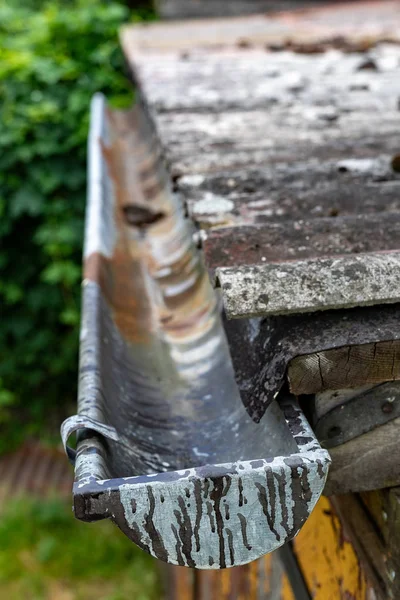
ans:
(7, 398)
(11, 292)
(27, 200)
(62, 271)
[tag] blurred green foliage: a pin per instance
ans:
(54, 55)
(46, 553)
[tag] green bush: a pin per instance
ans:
(53, 60)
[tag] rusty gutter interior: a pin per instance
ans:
(159, 405)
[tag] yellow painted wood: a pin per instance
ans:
(327, 558)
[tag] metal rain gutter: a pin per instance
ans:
(166, 448)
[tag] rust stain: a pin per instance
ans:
(155, 279)
(120, 279)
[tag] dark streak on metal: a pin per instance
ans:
(138, 537)
(300, 492)
(178, 546)
(199, 512)
(216, 496)
(305, 484)
(156, 539)
(282, 498)
(185, 531)
(263, 499)
(206, 486)
(230, 544)
(210, 515)
(227, 485)
(243, 527)
(271, 494)
(320, 469)
(240, 485)
(118, 516)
